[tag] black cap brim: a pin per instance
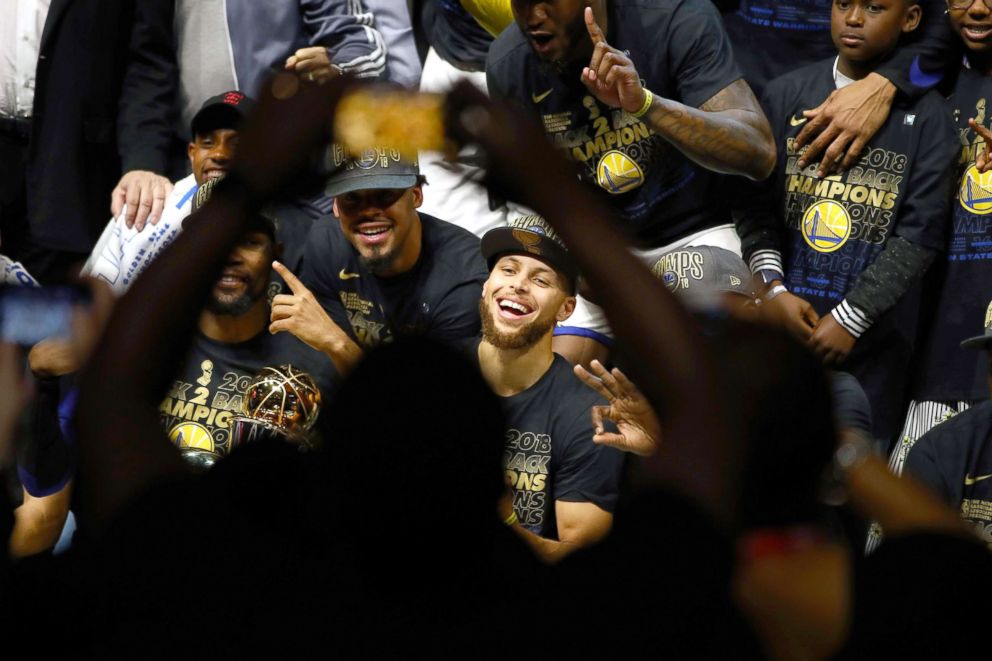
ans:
(977, 342)
(347, 184)
(503, 241)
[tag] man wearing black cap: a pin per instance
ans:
(955, 457)
(123, 252)
(563, 486)
(384, 270)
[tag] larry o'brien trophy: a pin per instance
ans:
(280, 402)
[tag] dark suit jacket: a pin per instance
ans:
(92, 52)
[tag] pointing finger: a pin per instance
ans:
(294, 283)
(595, 33)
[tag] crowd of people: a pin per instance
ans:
(678, 339)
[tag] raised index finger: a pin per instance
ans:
(595, 33)
(294, 283)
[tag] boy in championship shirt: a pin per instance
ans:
(842, 255)
(949, 379)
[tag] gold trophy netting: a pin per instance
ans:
(283, 397)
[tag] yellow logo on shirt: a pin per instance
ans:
(617, 173)
(192, 435)
(976, 191)
(826, 226)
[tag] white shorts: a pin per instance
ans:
(588, 319)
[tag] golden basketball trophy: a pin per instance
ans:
(280, 402)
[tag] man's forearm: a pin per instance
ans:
(550, 551)
(342, 350)
(727, 141)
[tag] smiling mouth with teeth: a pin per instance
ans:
(513, 307)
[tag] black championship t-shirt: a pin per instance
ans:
(439, 297)
(774, 37)
(836, 227)
(946, 371)
(955, 460)
(681, 53)
(209, 388)
(549, 451)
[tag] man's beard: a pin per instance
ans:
(380, 262)
(525, 337)
(233, 307)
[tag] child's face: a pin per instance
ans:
(973, 21)
(864, 31)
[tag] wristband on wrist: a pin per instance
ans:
(648, 99)
(511, 520)
(774, 291)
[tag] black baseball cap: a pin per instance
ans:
(701, 271)
(531, 235)
(981, 341)
(376, 168)
(223, 111)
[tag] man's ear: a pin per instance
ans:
(566, 309)
(418, 196)
(190, 148)
(334, 207)
(911, 19)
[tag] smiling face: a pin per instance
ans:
(555, 29)
(974, 25)
(245, 276)
(864, 31)
(383, 226)
(211, 152)
(522, 301)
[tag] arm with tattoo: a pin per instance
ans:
(728, 133)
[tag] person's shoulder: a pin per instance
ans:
(965, 429)
(929, 113)
(508, 47)
(812, 76)
(454, 250)
(573, 396)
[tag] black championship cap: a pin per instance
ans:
(375, 169)
(981, 341)
(530, 235)
(224, 111)
(702, 271)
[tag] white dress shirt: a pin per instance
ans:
(21, 25)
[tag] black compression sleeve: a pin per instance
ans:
(890, 276)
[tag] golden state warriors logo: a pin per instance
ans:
(826, 226)
(618, 173)
(192, 435)
(976, 191)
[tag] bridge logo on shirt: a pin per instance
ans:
(192, 435)
(976, 191)
(617, 173)
(826, 226)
